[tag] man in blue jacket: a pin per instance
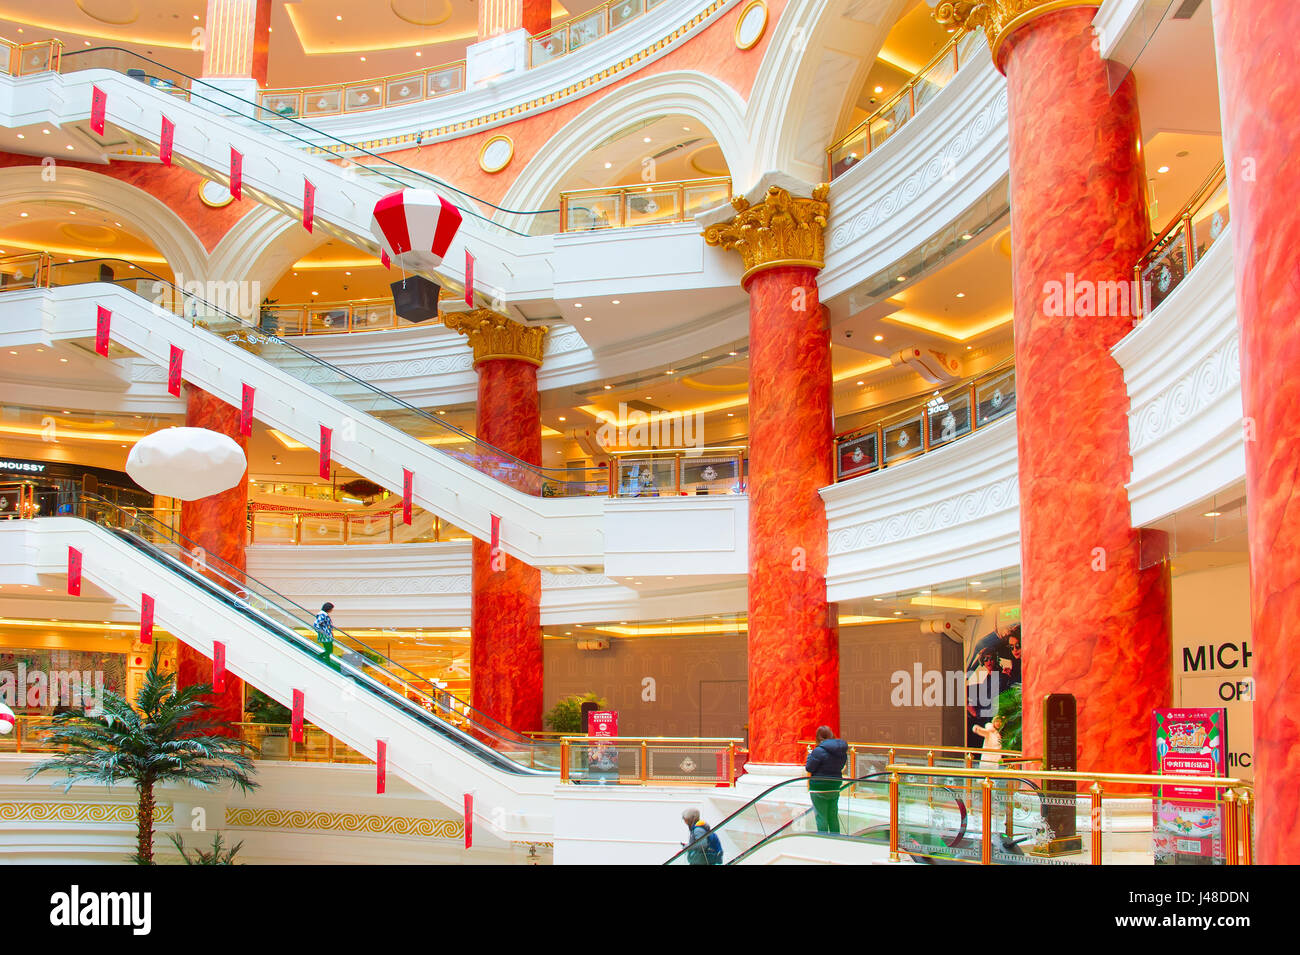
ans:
(825, 768)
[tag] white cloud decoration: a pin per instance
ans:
(186, 463)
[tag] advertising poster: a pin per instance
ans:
(994, 671)
(602, 757)
(1188, 824)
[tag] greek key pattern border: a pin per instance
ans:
(1193, 392)
(245, 817)
(76, 812)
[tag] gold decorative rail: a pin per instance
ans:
(902, 106)
(1175, 251)
(643, 760)
(25, 59)
(576, 32)
(618, 207)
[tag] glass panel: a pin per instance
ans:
(281, 104)
(321, 529)
(449, 80)
(37, 58)
(621, 13)
(322, 102)
(404, 89)
(653, 205)
(601, 211)
(543, 49)
(328, 320)
(936, 78)
(995, 397)
(1211, 219)
(700, 198)
(891, 121)
(949, 417)
(582, 32)
(1163, 269)
(647, 477)
(274, 527)
(903, 439)
(848, 153)
(856, 455)
(710, 475)
(363, 96)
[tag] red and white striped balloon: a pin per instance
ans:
(6, 720)
(415, 227)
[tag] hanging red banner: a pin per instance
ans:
(469, 279)
(384, 260)
(218, 667)
(74, 572)
(469, 820)
(381, 766)
(246, 411)
(496, 533)
(325, 435)
(174, 371)
(102, 323)
(408, 488)
(98, 103)
(308, 204)
(146, 619)
(299, 702)
(236, 173)
(165, 140)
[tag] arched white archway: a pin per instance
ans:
(168, 231)
(704, 98)
(261, 247)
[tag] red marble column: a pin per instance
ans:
(217, 524)
(506, 632)
(1095, 623)
(1259, 83)
(793, 631)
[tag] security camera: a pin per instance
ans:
(848, 333)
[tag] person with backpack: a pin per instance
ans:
(325, 632)
(825, 768)
(705, 848)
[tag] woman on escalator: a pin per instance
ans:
(825, 767)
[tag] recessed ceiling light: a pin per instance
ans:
(46, 132)
(645, 139)
(609, 387)
(562, 418)
(732, 353)
(880, 89)
(22, 215)
(686, 129)
(617, 302)
(315, 293)
(1213, 513)
(21, 136)
(1163, 169)
(880, 338)
(338, 17)
(347, 273)
(861, 382)
(976, 583)
(609, 165)
(961, 294)
(577, 305)
(68, 147)
(64, 360)
(363, 59)
(71, 213)
(586, 318)
(878, 599)
(731, 414)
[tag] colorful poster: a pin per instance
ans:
(246, 411)
(98, 105)
(408, 488)
(146, 619)
(602, 757)
(174, 364)
(236, 174)
(165, 140)
(326, 435)
(308, 204)
(103, 322)
(299, 705)
(1188, 825)
(74, 572)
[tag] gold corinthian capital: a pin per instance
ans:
(493, 335)
(781, 230)
(999, 18)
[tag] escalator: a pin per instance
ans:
(938, 824)
(437, 742)
(548, 516)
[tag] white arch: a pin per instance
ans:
(818, 59)
(261, 247)
(704, 98)
(181, 248)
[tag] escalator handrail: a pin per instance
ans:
(278, 130)
(257, 334)
(241, 579)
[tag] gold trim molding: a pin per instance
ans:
(77, 812)
(781, 230)
(999, 18)
(246, 817)
(493, 335)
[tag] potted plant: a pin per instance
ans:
(566, 715)
(260, 708)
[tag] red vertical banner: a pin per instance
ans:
(218, 667)
(174, 371)
(496, 533)
(246, 411)
(384, 260)
(408, 489)
(165, 140)
(102, 325)
(469, 820)
(98, 104)
(325, 436)
(236, 173)
(469, 279)
(308, 204)
(299, 704)
(146, 619)
(381, 766)
(74, 572)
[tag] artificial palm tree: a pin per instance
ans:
(165, 737)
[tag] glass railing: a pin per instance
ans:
(866, 759)
(948, 414)
(670, 473)
(1029, 816)
(25, 59)
(369, 670)
(281, 524)
(363, 95)
(578, 32)
(619, 207)
(18, 500)
(335, 318)
(376, 169)
(611, 760)
(903, 105)
(430, 429)
(1183, 243)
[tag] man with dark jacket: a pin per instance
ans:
(825, 767)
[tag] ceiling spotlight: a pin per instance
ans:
(586, 318)
(880, 338)
(46, 132)
(21, 136)
(609, 387)
(363, 59)
(609, 165)
(338, 17)
(1163, 169)
(861, 382)
(879, 89)
(732, 354)
(1213, 513)
(562, 418)
(961, 294)
(68, 147)
(686, 129)
(617, 302)
(645, 139)
(577, 305)
(22, 215)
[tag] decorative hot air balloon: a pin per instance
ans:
(6, 720)
(415, 228)
(187, 463)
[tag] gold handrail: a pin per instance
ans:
(1057, 775)
(908, 91)
(1182, 221)
(540, 39)
(622, 193)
